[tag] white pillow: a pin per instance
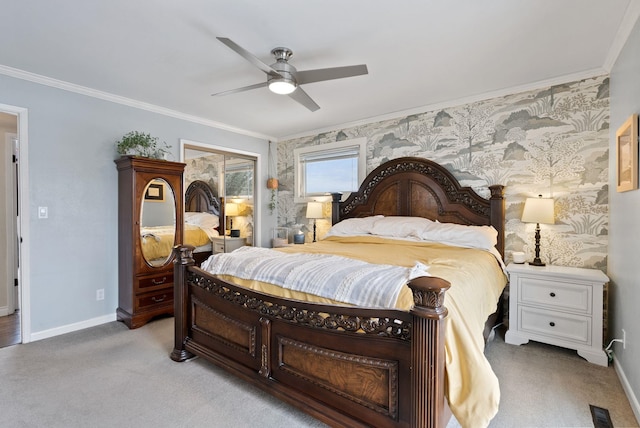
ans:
(204, 220)
(401, 227)
(484, 237)
(354, 226)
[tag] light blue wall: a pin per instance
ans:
(71, 141)
(624, 238)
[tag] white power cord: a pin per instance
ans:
(608, 349)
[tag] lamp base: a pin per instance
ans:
(536, 262)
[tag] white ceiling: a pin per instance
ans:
(420, 53)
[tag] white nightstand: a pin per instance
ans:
(558, 305)
(226, 244)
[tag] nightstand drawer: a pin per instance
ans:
(555, 294)
(560, 325)
(218, 247)
(226, 244)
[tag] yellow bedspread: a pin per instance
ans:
(158, 241)
(477, 280)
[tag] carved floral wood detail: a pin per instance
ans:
(381, 326)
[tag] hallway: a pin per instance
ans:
(10, 330)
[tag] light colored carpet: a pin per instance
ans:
(110, 376)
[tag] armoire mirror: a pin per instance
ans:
(157, 222)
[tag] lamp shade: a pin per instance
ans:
(314, 210)
(538, 210)
(231, 209)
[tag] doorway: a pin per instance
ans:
(14, 204)
(10, 330)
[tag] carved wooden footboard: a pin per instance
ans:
(345, 366)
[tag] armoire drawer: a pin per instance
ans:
(147, 283)
(162, 297)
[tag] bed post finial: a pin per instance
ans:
(427, 351)
(183, 259)
(335, 207)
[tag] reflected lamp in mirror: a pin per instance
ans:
(231, 211)
(314, 211)
(538, 210)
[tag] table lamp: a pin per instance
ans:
(314, 211)
(231, 210)
(538, 210)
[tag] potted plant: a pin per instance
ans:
(141, 144)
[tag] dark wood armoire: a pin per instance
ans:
(150, 202)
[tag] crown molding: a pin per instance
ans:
(626, 26)
(70, 87)
(587, 74)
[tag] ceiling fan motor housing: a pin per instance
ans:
(286, 70)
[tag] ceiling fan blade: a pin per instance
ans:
(303, 98)
(320, 74)
(249, 56)
(243, 89)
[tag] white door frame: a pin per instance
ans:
(11, 226)
(23, 220)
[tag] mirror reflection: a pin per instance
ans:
(157, 222)
(231, 178)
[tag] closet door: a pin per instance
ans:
(238, 190)
(233, 178)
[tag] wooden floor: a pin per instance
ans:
(10, 330)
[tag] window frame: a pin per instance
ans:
(329, 149)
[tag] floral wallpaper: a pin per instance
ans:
(551, 141)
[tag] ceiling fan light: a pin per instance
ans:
(282, 86)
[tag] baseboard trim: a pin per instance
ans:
(45, 334)
(4, 311)
(631, 396)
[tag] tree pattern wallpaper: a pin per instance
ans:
(551, 141)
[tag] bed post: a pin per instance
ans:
(427, 352)
(335, 207)
(183, 259)
(497, 214)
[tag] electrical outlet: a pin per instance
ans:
(100, 294)
(624, 339)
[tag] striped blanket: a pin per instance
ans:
(335, 277)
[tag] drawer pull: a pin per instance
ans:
(159, 299)
(552, 294)
(552, 324)
(162, 281)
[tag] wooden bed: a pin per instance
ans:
(199, 197)
(318, 357)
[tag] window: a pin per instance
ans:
(238, 178)
(328, 168)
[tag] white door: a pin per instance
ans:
(8, 219)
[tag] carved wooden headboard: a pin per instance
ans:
(199, 197)
(419, 187)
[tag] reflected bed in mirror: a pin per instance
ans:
(202, 212)
(157, 222)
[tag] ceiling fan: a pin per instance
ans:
(283, 78)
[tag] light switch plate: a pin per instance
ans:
(43, 212)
